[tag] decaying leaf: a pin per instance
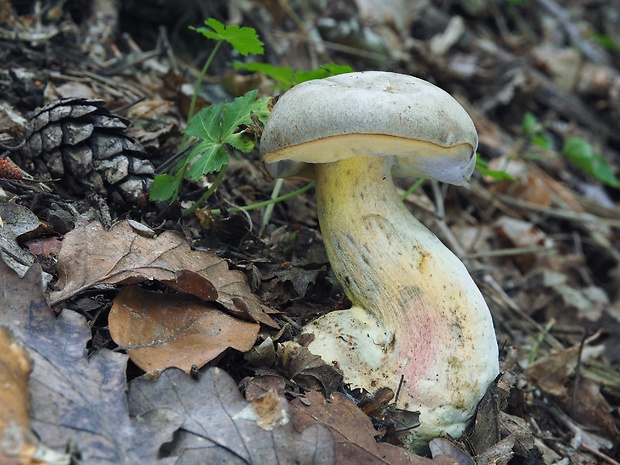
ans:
(444, 446)
(16, 220)
(269, 410)
(90, 255)
(308, 370)
(521, 234)
(170, 330)
(221, 427)
(580, 396)
(551, 373)
(76, 400)
(529, 186)
(18, 445)
(353, 431)
(486, 431)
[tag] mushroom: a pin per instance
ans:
(417, 313)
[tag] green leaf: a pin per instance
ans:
(530, 125)
(243, 39)
(240, 111)
(535, 132)
(334, 68)
(165, 187)
(281, 74)
(237, 112)
(580, 152)
(323, 71)
(543, 141)
(606, 41)
(482, 165)
(206, 124)
(241, 142)
(287, 77)
(217, 126)
(214, 127)
(209, 158)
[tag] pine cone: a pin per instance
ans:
(80, 142)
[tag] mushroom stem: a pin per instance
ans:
(417, 312)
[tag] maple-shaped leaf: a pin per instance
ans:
(77, 402)
(243, 39)
(209, 156)
(218, 125)
(91, 255)
(240, 111)
(217, 128)
(220, 426)
(164, 187)
(207, 123)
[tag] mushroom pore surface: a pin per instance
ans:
(417, 313)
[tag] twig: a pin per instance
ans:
(507, 252)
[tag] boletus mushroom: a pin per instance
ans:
(417, 313)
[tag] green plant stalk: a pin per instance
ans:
(413, 187)
(538, 342)
(203, 198)
(203, 73)
(266, 203)
(269, 209)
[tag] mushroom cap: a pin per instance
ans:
(371, 113)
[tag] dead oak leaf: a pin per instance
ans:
(170, 330)
(353, 432)
(220, 426)
(75, 399)
(16, 220)
(308, 370)
(18, 444)
(91, 255)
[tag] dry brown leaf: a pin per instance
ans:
(221, 427)
(91, 255)
(269, 411)
(521, 234)
(160, 330)
(18, 445)
(76, 398)
(551, 372)
(15, 445)
(529, 186)
(15, 221)
(306, 369)
(353, 431)
(580, 396)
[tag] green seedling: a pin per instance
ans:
(217, 128)
(220, 127)
(286, 77)
(576, 149)
(607, 42)
(243, 39)
(535, 132)
(581, 153)
(482, 165)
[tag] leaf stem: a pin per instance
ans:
(413, 187)
(266, 203)
(269, 210)
(207, 193)
(203, 72)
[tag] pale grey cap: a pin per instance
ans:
(372, 113)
